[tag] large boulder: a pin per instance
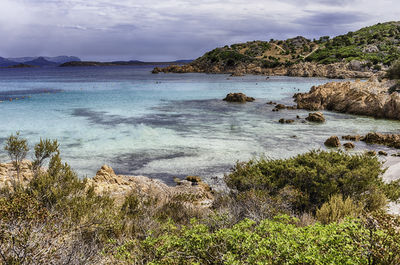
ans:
(332, 141)
(316, 117)
(238, 97)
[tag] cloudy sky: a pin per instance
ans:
(155, 30)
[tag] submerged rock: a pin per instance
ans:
(238, 97)
(316, 117)
(280, 106)
(348, 145)
(332, 141)
(351, 137)
(286, 121)
(382, 153)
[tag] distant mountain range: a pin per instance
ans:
(37, 61)
(121, 63)
(64, 61)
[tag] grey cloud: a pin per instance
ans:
(328, 19)
(105, 30)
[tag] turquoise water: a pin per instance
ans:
(163, 125)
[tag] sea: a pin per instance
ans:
(164, 125)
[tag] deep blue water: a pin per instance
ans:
(162, 125)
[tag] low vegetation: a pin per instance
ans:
(315, 208)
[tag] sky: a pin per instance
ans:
(153, 30)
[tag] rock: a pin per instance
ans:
(382, 153)
(280, 106)
(285, 121)
(297, 117)
(370, 49)
(332, 141)
(391, 140)
(351, 137)
(8, 174)
(271, 103)
(156, 70)
(316, 117)
(348, 145)
(370, 98)
(304, 69)
(119, 186)
(355, 65)
(237, 73)
(195, 179)
(371, 153)
(238, 97)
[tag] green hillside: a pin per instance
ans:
(375, 45)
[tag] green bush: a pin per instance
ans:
(317, 175)
(275, 241)
(394, 71)
(336, 209)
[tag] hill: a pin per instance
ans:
(121, 63)
(370, 49)
(41, 61)
(56, 59)
(5, 62)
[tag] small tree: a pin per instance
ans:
(17, 148)
(43, 150)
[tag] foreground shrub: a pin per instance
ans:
(275, 241)
(316, 175)
(336, 209)
(31, 234)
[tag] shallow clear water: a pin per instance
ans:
(163, 125)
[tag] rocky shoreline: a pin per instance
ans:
(369, 98)
(341, 70)
(119, 187)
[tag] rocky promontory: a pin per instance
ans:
(370, 98)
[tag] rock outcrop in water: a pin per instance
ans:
(332, 141)
(238, 97)
(119, 186)
(317, 117)
(348, 145)
(391, 140)
(370, 98)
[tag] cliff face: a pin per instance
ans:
(369, 98)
